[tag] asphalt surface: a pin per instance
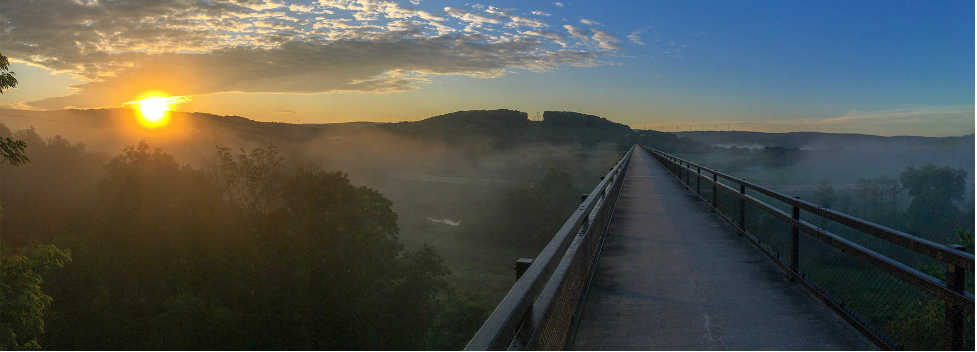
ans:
(673, 276)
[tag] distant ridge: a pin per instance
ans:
(475, 130)
(821, 140)
(503, 128)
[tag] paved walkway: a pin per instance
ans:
(673, 276)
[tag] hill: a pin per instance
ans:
(502, 129)
(478, 130)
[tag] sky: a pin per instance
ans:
(877, 67)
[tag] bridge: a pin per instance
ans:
(666, 254)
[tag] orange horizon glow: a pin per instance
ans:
(154, 108)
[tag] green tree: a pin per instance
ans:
(250, 179)
(932, 213)
(49, 191)
(367, 292)
(11, 151)
(165, 260)
(23, 302)
(7, 79)
(844, 200)
(968, 212)
(825, 195)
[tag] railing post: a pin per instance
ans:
(688, 174)
(681, 173)
(795, 213)
(954, 316)
(685, 171)
(521, 266)
(698, 179)
(715, 189)
(742, 209)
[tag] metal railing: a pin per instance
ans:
(892, 303)
(541, 309)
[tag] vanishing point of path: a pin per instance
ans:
(673, 276)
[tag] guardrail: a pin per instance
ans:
(541, 309)
(894, 304)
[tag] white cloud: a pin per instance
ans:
(910, 114)
(476, 19)
(300, 8)
(540, 13)
(517, 21)
(605, 40)
(635, 36)
(558, 4)
(589, 22)
(577, 32)
(556, 37)
(185, 47)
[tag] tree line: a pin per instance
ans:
(250, 251)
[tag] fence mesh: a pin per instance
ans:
(895, 311)
(555, 325)
(772, 233)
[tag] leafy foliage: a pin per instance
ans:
(934, 189)
(825, 195)
(11, 151)
(23, 302)
(251, 179)
(879, 197)
(7, 79)
(166, 259)
(57, 184)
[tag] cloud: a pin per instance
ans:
(605, 40)
(187, 47)
(300, 8)
(910, 114)
(290, 112)
(589, 22)
(558, 4)
(556, 37)
(635, 36)
(577, 32)
(540, 13)
(476, 19)
(346, 65)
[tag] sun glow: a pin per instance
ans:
(154, 108)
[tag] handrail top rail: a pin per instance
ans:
(899, 269)
(921, 245)
(506, 316)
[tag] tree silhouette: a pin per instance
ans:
(932, 213)
(11, 151)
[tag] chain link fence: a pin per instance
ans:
(541, 309)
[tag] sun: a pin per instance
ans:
(154, 108)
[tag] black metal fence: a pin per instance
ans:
(862, 270)
(541, 309)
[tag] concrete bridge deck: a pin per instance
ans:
(673, 276)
